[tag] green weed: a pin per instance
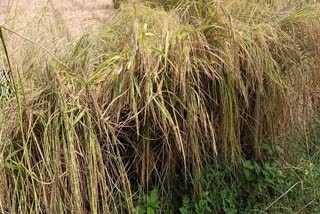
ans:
(285, 185)
(149, 204)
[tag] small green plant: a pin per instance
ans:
(150, 203)
(235, 190)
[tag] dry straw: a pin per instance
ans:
(161, 88)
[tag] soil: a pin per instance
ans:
(74, 16)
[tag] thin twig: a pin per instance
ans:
(282, 196)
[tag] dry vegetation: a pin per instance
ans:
(162, 88)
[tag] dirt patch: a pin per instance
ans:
(72, 16)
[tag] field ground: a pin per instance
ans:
(76, 16)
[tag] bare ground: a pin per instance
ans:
(72, 16)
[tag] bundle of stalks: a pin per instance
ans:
(160, 89)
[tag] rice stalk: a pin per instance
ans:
(160, 89)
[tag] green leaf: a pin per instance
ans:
(150, 210)
(247, 173)
(257, 167)
(279, 150)
(153, 198)
(13, 165)
(140, 209)
(248, 164)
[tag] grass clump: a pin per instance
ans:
(154, 93)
